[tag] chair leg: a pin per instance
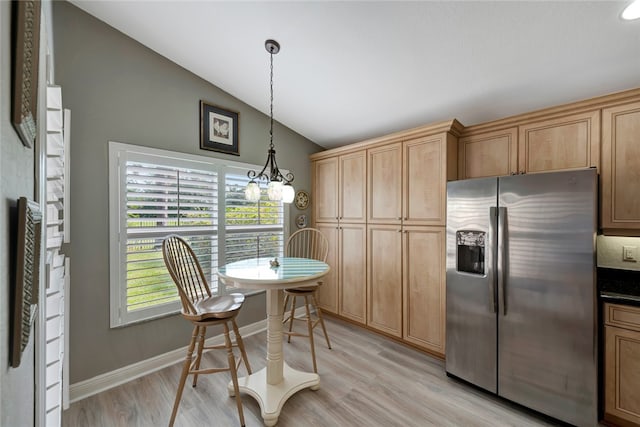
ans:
(234, 374)
(291, 318)
(240, 343)
(310, 328)
(185, 372)
(202, 332)
(319, 314)
(284, 308)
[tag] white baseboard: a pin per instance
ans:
(95, 385)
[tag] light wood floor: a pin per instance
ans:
(366, 380)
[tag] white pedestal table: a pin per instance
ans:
(274, 384)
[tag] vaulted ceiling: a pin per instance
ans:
(351, 70)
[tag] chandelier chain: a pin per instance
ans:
(271, 101)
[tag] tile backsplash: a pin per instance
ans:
(611, 251)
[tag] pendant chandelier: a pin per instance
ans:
(279, 187)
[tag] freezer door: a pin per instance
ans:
(471, 291)
(547, 358)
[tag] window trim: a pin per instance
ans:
(118, 154)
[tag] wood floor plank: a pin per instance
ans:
(365, 380)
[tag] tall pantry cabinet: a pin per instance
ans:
(389, 257)
(339, 212)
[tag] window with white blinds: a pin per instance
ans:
(155, 193)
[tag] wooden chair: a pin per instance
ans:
(306, 243)
(203, 310)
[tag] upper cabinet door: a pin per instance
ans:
(385, 184)
(488, 154)
(353, 187)
(325, 182)
(570, 142)
(620, 172)
(425, 181)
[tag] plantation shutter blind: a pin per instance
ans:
(163, 200)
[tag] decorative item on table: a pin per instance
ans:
(218, 129)
(274, 263)
(279, 187)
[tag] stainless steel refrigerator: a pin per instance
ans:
(521, 290)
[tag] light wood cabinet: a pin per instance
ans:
(325, 190)
(570, 142)
(622, 364)
(488, 154)
(384, 278)
(428, 163)
(344, 289)
(424, 287)
(388, 212)
(352, 187)
(339, 194)
(551, 144)
(328, 293)
(620, 172)
(407, 181)
(353, 272)
(339, 185)
(384, 184)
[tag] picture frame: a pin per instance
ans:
(27, 276)
(26, 47)
(218, 129)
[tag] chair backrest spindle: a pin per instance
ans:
(308, 243)
(185, 271)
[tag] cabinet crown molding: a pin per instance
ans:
(452, 126)
(557, 111)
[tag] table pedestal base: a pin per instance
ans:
(271, 397)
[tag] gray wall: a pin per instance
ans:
(17, 163)
(119, 90)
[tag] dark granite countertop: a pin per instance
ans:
(619, 286)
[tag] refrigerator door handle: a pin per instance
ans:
(502, 238)
(493, 225)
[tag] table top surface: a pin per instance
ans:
(258, 271)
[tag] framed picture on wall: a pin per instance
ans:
(26, 290)
(218, 129)
(26, 39)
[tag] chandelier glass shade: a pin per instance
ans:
(279, 185)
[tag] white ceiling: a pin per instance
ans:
(349, 70)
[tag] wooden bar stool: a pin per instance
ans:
(203, 310)
(306, 243)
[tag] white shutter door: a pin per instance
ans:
(57, 267)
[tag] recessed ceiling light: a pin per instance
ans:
(632, 11)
